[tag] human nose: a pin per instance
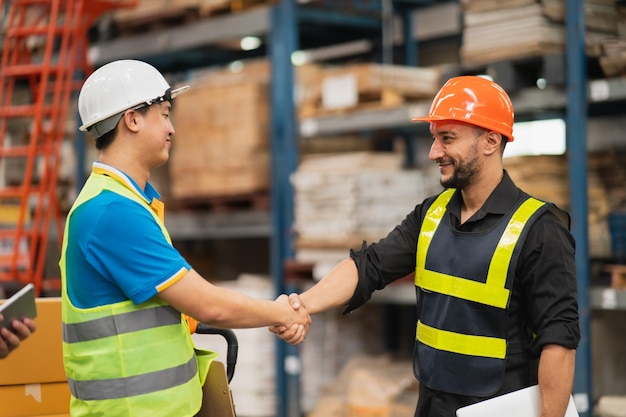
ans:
(436, 150)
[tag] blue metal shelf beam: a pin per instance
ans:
(576, 122)
(206, 32)
(284, 138)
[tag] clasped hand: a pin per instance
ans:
(299, 317)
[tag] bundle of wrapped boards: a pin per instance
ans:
(341, 199)
(498, 30)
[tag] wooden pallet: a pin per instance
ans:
(141, 21)
(227, 203)
(220, 7)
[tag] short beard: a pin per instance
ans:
(464, 172)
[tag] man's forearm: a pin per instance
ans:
(334, 290)
(556, 377)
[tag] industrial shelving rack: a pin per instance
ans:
(280, 23)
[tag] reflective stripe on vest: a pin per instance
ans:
(132, 321)
(108, 389)
(490, 347)
(492, 292)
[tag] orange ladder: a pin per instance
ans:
(45, 47)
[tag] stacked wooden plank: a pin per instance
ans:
(498, 30)
(612, 51)
(546, 177)
(160, 12)
(346, 88)
(221, 143)
(613, 57)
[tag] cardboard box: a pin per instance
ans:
(35, 400)
(38, 359)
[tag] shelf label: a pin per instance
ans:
(599, 90)
(308, 128)
(609, 299)
(339, 92)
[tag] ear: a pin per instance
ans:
(131, 120)
(492, 142)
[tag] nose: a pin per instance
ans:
(436, 150)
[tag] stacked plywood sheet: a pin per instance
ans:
(497, 30)
(546, 177)
(542, 176)
(221, 142)
(613, 57)
(344, 198)
(159, 9)
(612, 51)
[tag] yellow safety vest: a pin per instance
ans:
(124, 359)
(464, 282)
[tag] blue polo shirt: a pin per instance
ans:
(116, 250)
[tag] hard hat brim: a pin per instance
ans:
(428, 119)
(175, 92)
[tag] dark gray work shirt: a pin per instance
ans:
(543, 304)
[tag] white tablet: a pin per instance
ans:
(20, 305)
(523, 403)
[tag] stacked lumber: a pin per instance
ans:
(498, 30)
(612, 51)
(612, 57)
(346, 88)
(543, 176)
(221, 146)
(160, 12)
(371, 386)
(609, 168)
(546, 177)
(342, 199)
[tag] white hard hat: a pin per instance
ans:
(117, 87)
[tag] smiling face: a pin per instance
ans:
(157, 131)
(456, 150)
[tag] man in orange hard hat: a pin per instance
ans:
(494, 268)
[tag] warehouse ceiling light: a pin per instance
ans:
(542, 83)
(249, 43)
(299, 58)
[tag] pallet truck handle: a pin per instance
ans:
(231, 340)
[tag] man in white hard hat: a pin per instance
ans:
(126, 290)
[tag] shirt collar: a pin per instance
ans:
(148, 194)
(501, 200)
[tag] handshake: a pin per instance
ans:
(297, 320)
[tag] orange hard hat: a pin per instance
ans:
(474, 100)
